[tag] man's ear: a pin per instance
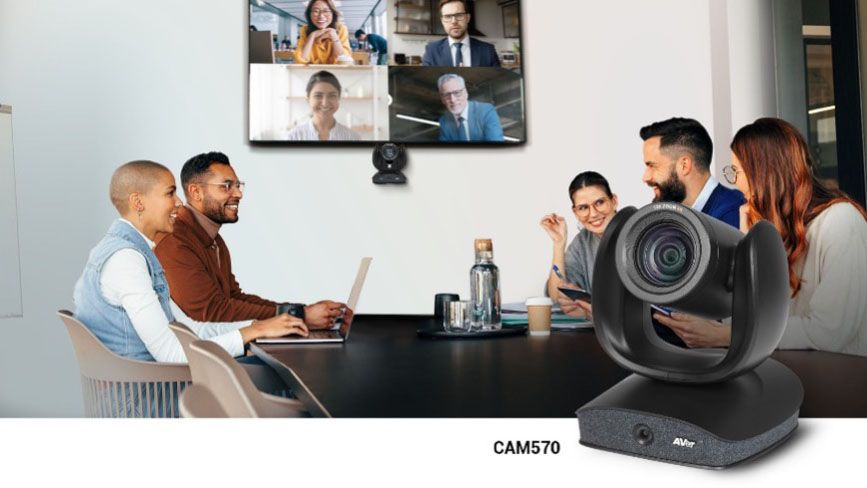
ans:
(194, 192)
(685, 165)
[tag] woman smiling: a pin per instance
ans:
(323, 40)
(323, 96)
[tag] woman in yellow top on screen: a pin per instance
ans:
(323, 40)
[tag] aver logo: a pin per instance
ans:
(683, 442)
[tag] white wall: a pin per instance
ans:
(111, 92)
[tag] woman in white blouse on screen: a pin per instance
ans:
(323, 97)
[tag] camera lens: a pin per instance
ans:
(664, 253)
(389, 152)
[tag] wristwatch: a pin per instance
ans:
(294, 309)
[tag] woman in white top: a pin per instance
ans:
(323, 96)
(123, 296)
(825, 235)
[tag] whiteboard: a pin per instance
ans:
(10, 267)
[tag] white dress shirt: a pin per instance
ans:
(126, 282)
(465, 50)
(308, 132)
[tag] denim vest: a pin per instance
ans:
(108, 322)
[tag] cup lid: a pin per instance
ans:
(539, 301)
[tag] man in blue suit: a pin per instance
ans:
(466, 121)
(458, 49)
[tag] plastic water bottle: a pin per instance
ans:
(485, 288)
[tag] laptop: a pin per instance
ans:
(334, 335)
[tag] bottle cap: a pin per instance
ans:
(484, 245)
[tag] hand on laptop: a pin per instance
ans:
(279, 326)
(321, 315)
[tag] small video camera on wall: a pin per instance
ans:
(389, 158)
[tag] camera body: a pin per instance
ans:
(389, 158)
(669, 254)
(700, 407)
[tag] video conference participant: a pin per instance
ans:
(122, 295)
(458, 49)
(825, 235)
(677, 155)
(466, 120)
(323, 40)
(197, 262)
(323, 97)
(594, 206)
(376, 43)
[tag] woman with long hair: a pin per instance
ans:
(324, 40)
(824, 232)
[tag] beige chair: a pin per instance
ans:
(198, 402)
(114, 386)
(216, 370)
(263, 376)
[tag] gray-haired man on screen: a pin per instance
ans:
(466, 120)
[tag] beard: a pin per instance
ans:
(670, 190)
(217, 212)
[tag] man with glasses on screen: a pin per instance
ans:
(466, 120)
(458, 49)
(196, 259)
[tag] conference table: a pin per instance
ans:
(385, 369)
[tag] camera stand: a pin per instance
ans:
(712, 425)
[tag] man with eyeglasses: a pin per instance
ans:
(458, 49)
(466, 120)
(196, 259)
(677, 156)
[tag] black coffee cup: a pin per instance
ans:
(440, 299)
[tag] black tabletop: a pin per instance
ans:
(386, 370)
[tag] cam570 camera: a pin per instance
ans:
(703, 407)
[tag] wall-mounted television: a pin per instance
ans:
(441, 72)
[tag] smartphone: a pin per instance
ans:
(663, 310)
(575, 294)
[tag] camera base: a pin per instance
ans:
(384, 178)
(708, 425)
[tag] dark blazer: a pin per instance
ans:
(484, 124)
(482, 54)
(724, 204)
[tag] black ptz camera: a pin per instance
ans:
(389, 158)
(704, 407)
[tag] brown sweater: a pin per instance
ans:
(203, 286)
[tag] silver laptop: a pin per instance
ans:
(339, 334)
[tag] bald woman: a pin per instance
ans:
(122, 295)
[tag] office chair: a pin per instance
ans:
(114, 386)
(215, 369)
(198, 402)
(263, 377)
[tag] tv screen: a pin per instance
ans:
(445, 72)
